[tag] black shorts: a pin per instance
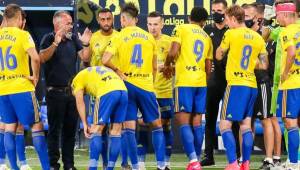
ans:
(263, 101)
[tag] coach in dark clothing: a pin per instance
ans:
(217, 82)
(58, 52)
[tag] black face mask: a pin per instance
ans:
(249, 23)
(218, 18)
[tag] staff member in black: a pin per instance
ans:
(216, 83)
(58, 52)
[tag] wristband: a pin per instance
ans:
(55, 44)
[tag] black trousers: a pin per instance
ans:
(215, 93)
(62, 120)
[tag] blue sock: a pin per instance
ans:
(187, 138)
(104, 152)
(142, 142)
(20, 146)
(132, 147)
(159, 145)
(124, 149)
(229, 144)
(169, 138)
(198, 134)
(40, 145)
(114, 150)
(95, 150)
(247, 144)
(10, 148)
(293, 144)
(2, 148)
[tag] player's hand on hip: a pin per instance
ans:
(33, 79)
(283, 77)
(121, 75)
(168, 71)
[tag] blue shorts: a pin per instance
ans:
(20, 107)
(238, 103)
(166, 107)
(190, 99)
(143, 100)
(111, 107)
(289, 103)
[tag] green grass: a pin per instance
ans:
(178, 161)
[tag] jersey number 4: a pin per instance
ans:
(247, 51)
(136, 57)
(8, 60)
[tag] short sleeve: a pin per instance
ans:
(210, 50)
(47, 40)
(286, 40)
(27, 41)
(176, 35)
(113, 45)
(77, 84)
(225, 41)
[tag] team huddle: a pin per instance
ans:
(136, 78)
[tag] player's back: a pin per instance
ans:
(97, 81)
(14, 61)
(290, 36)
(135, 56)
(195, 48)
(245, 45)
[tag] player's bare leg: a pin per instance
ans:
(277, 141)
(269, 142)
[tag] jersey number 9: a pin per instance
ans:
(297, 62)
(198, 49)
(247, 50)
(9, 60)
(136, 57)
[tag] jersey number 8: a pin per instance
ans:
(9, 60)
(136, 57)
(247, 50)
(198, 49)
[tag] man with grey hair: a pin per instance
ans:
(58, 52)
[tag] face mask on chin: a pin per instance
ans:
(218, 17)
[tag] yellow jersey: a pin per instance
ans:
(290, 36)
(14, 61)
(163, 87)
(97, 81)
(245, 46)
(98, 43)
(196, 47)
(135, 49)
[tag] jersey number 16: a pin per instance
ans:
(8, 60)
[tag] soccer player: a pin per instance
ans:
(163, 87)
(192, 68)
(110, 108)
(290, 69)
(136, 52)
(98, 43)
(263, 101)
(246, 50)
(17, 99)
